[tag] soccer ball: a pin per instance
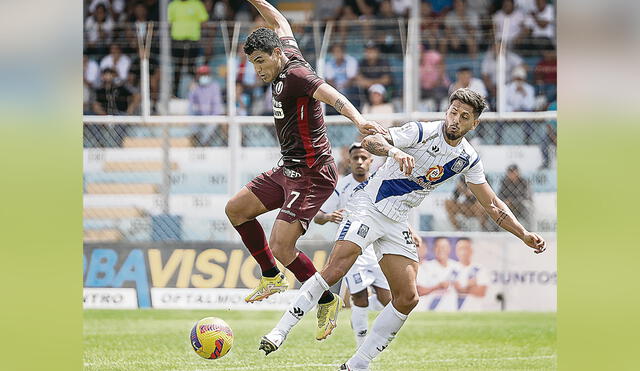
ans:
(211, 338)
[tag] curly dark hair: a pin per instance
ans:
(262, 39)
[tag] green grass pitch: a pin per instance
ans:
(159, 340)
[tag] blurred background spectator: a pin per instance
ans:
(515, 28)
(465, 79)
(377, 104)
(546, 79)
(434, 82)
(540, 24)
(461, 30)
(117, 61)
(341, 71)
(98, 31)
(464, 203)
(373, 69)
(515, 192)
(489, 68)
(113, 98)
(205, 97)
(519, 93)
(185, 17)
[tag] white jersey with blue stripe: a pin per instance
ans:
(394, 193)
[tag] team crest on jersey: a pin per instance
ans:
(279, 86)
(435, 173)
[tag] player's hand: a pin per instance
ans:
(405, 161)
(336, 216)
(370, 128)
(534, 241)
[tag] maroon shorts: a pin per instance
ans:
(299, 192)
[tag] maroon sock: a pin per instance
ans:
(302, 267)
(254, 239)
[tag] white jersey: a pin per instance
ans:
(467, 273)
(431, 273)
(394, 193)
(338, 200)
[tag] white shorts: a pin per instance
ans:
(360, 277)
(368, 226)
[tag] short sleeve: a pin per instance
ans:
(202, 12)
(407, 135)
(304, 79)
(331, 204)
(475, 173)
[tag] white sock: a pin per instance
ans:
(309, 295)
(359, 323)
(384, 329)
(375, 304)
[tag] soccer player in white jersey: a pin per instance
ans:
(422, 156)
(366, 271)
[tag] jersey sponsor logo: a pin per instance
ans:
(288, 212)
(357, 278)
(290, 173)
(435, 173)
(278, 112)
(278, 88)
(435, 149)
(363, 230)
(459, 165)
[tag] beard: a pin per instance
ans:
(452, 136)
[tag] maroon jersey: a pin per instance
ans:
(298, 117)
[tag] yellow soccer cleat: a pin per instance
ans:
(328, 317)
(267, 287)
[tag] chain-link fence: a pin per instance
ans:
(153, 182)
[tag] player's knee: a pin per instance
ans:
(406, 301)
(360, 299)
(282, 250)
(233, 209)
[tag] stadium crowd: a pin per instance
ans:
(459, 41)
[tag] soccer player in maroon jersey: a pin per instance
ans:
(308, 174)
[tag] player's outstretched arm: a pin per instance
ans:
(500, 213)
(273, 17)
(382, 145)
(329, 95)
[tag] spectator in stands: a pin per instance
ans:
(461, 30)
(117, 61)
(185, 17)
(401, 8)
(515, 32)
(113, 98)
(114, 7)
(387, 28)
(341, 71)
(465, 79)
(489, 67)
(243, 101)
(540, 24)
(525, 6)
(549, 139)
(327, 10)
(464, 203)
(441, 7)
(481, 8)
(363, 9)
(205, 97)
(519, 93)
(434, 82)
(431, 35)
(98, 31)
(377, 105)
(546, 75)
(219, 10)
(91, 72)
(137, 24)
(373, 69)
(515, 192)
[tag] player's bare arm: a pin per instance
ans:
(504, 218)
(329, 95)
(382, 145)
(275, 20)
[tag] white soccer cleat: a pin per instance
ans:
(272, 341)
